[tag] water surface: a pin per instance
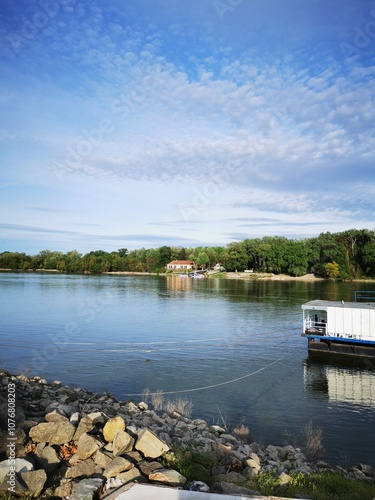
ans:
(233, 347)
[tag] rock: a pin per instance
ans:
(87, 445)
(284, 479)
(168, 476)
(103, 459)
(85, 425)
(48, 459)
(18, 465)
(112, 427)
(131, 475)
(81, 469)
(65, 489)
(199, 486)
(87, 489)
(250, 472)
(150, 445)
(97, 417)
(216, 429)
(234, 489)
(122, 442)
(52, 433)
(143, 406)
(15, 484)
(117, 465)
(75, 418)
(35, 481)
(148, 467)
(56, 416)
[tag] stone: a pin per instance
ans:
(87, 445)
(97, 417)
(112, 427)
(148, 467)
(131, 475)
(150, 445)
(75, 418)
(87, 489)
(81, 469)
(216, 429)
(35, 481)
(122, 442)
(48, 459)
(55, 416)
(52, 433)
(18, 485)
(85, 425)
(168, 476)
(284, 479)
(235, 489)
(19, 464)
(143, 406)
(117, 465)
(64, 490)
(250, 472)
(102, 459)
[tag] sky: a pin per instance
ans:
(143, 123)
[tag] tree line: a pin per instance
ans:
(344, 255)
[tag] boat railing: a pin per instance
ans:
(364, 296)
(317, 327)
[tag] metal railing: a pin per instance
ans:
(364, 296)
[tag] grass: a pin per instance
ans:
(196, 465)
(317, 486)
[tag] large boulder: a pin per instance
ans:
(112, 427)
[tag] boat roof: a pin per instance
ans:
(323, 304)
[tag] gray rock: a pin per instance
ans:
(235, 489)
(35, 481)
(87, 489)
(52, 433)
(48, 459)
(18, 465)
(18, 485)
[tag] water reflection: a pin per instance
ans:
(339, 384)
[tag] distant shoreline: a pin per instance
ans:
(225, 275)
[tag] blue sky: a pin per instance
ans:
(142, 123)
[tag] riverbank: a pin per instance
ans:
(66, 442)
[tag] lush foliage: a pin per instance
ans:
(346, 255)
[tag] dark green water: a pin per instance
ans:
(233, 347)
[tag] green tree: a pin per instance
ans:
(332, 270)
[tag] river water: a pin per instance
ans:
(232, 347)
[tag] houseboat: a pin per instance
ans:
(341, 328)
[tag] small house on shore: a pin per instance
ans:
(180, 265)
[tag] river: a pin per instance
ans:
(232, 347)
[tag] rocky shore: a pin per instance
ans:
(59, 442)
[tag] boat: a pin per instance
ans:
(346, 329)
(198, 275)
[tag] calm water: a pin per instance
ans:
(233, 347)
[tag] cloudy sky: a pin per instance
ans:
(142, 123)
